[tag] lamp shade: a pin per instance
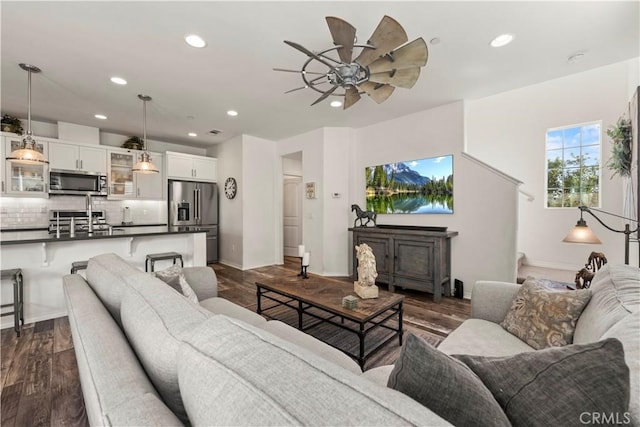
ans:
(581, 233)
(145, 165)
(27, 155)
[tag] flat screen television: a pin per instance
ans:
(422, 186)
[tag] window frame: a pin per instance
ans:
(546, 162)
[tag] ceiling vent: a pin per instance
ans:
(215, 132)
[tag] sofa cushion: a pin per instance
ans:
(543, 317)
(218, 305)
(615, 294)
(484, 338)
(444, 385)
(232, 373)
(174, 277)
(318, 347)
(105, 275)
(156, 319)
(558, 386)
(628, 332)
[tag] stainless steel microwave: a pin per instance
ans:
(77, 183)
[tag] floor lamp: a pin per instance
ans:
(581, 233)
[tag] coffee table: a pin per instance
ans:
(324, 295)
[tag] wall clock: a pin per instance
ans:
(230, 188)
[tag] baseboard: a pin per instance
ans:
(229, 263)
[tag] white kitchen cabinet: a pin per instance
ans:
(128, 185)
(151, 185)
(77, 157)
(191, 167)
(24, 180)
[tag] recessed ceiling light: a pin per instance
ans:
(576, 57)
(192, 134)
(195, 41)
(502, 40)
(336, 104)
(118, 80)
(232, 113)
(100, 116)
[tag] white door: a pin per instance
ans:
(151, 185)
(292, 215)
(63, 156)
(93, 159)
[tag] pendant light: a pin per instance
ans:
(145, 165)
(27, 154)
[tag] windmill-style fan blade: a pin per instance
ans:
(298, 88)
(297, 71)
(326, 94)
(413, 54)
(378, 93)
(388, 35)
(351, 96)
(401, 78)
(344, 34)
(309, 53)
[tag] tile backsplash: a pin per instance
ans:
(17, 212)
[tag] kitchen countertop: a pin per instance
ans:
(19, 237)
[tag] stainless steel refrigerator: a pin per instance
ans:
(195, 204)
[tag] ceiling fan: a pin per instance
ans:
(383, 63)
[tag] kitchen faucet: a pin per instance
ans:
(89, 213)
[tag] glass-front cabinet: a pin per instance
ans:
(120, 174)
(25, 180)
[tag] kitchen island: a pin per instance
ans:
(45, 258)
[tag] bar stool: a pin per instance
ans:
(78, 265)
(15, 275)
(161, 256)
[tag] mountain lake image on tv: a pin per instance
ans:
(422, 186)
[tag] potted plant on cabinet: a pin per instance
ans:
(133, 143)
(11, 124)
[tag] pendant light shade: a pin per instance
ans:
(145, 165)
(27, 154)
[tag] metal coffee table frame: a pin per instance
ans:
(365, 325)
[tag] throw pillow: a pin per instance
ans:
(562, 386)
(544, 317)
(174, 277)
(444, 385)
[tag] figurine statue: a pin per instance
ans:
(360, 215)
(366, 287)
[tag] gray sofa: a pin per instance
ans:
(147, 356)
(612, 312)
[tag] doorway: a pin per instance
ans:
(292, 203)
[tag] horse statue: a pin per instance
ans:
(366, 287)
(361, 215)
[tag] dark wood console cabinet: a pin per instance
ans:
(409, 257)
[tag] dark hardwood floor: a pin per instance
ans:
(39, 382)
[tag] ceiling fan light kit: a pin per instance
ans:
(383, 63)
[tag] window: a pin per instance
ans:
(573, 166)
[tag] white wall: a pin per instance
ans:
(336, 213)
(230, 163)
(258, 209)
(508, 131)
(485, 209)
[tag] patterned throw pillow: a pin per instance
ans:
(174, 277)
(543, 317)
